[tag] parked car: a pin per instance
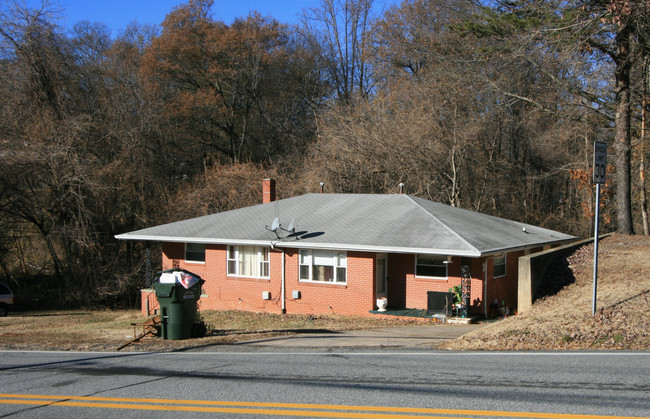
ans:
(6, 299)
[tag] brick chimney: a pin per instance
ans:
(268, 190)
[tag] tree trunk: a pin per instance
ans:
(644, 121)
(622, 140)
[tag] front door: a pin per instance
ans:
(381, 278)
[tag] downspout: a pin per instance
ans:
(485, 281)
(283, 289)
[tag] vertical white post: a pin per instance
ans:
(599, 177)
(283, 289)
(596, 218)
(485, 280)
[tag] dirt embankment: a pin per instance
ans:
(564, 320)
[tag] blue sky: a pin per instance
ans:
(116, 14)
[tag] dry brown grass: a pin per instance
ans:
(107, 330)
(564, 321)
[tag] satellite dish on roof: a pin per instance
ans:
(292, 226)
(274, 226)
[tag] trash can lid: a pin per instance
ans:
(186, 278)
(164, 290)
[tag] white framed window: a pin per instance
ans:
(323, 266)
(249, 261)
(195, 252)
(431, 266)
(500, 265)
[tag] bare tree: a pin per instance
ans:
(340, 30)
(605, 35)
(643, 149)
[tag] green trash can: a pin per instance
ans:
(178, 309)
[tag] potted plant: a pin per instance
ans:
(458, 297)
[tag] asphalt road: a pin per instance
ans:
(371, 384)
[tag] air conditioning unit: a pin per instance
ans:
(266, 295)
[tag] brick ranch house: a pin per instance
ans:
(343, 252)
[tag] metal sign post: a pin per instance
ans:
(600, 171)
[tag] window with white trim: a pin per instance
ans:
(323, 266)
(431, 266)
(500, 265)
(249, 261)
(195, 252)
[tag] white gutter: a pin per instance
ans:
(485, 280)
(298, 244)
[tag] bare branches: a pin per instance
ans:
(340, 31)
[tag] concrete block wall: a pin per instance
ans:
(532, 267)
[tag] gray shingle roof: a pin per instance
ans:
(376, 223)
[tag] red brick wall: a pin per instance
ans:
(476, 301)
(268, 191)
(504, 288)
(354, 298)
(223, 292)
(357, 297)
(412, 292)
(149, 303)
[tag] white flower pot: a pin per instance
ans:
(382, 303)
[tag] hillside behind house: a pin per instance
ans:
(564, 320)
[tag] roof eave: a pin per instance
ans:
(200, 240)
(297, 244)
(376, 249)
(302, 245)
(493, 252)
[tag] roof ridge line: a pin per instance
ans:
(463, 239)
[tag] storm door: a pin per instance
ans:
(381, 278)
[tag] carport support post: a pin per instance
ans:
(596, 216)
